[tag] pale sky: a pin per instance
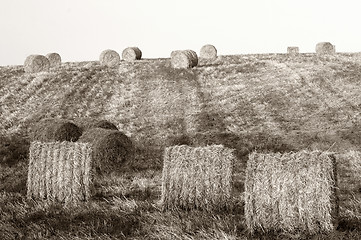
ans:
(80, 29)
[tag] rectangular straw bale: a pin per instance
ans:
(293, 50)
(291, 192)
(59, 171)
(197, 177)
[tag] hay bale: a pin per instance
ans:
(173, 53)
(184, 59)
(291, 192)
(109, 58)
(349, 174)
(55, 129)
(59, 171)
(208, 52)
(293, 50)
(36, 63)
(325, 48)
(194, 57)
(110, 148)
(86, 123)
(54, 59)
(131, 54)
(197, 178)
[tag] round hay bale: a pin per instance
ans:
(184, 59)
(325, 48)
(131, 54)
(36, 63)
(109, 58)
(54, 59)
(180, 60)
(86, 123)
(110, 148)
(173, 53)
(54, 129)
(208, 52)
(194, 57)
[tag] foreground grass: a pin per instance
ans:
(126, 206)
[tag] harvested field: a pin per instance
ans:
(247, 102)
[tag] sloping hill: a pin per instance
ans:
(303, 101)
(264, 102)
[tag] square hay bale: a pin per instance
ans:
(197, 177)
(291, 192)
(293, 50)
(59, 171)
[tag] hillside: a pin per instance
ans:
(266, 102)
(292, 99)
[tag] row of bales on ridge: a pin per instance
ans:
(179, 58)
(321, 48)
(289, 192)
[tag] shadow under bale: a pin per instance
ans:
(111, 149)
(55, 129)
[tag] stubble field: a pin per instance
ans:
(269, 102)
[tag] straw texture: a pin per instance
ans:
(197, 178)
(325, 48)
(291, 192)
(293, 50)
(184, 59)
(111, 148)
(109, 58)
(54, 59)
(349, 174)
(131, 54)
(208, 52)
(36, 63)
(59, 171)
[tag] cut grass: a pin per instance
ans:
(268, 102)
